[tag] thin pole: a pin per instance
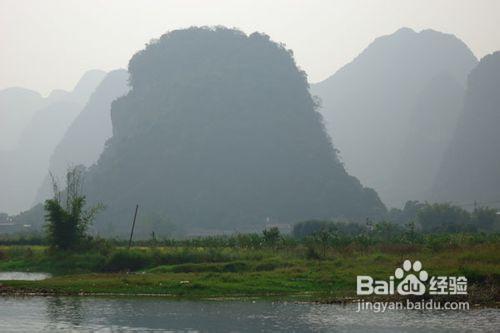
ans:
(133, 226)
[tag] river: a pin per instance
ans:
(95, 314)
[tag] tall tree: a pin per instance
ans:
(66, 216)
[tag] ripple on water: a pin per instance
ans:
(49, 314)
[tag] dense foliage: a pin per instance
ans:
(67, 222)
(414, 221)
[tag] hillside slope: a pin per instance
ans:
(369, 107)
(219, 131)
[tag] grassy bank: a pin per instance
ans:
(233, 271)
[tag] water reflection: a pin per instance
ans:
(50, 314)
(7, 276)
(65, 309)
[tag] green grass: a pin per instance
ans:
(202, 272)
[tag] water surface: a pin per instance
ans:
(91, 314)
(4, 276)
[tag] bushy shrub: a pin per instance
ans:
(67, 222)
(128, 260)
(234, 267)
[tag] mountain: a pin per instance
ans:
(369, 107)
(84, 140)
(471, 167)
(49, 123)
(219, 131)
(22, 170)
(87, 85)
(17, 107)
(433, 122)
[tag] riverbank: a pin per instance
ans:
(163, 286)
(207, 273)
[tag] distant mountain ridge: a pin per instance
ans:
(17, 108)
(219, 131)
(369, 107)
(23, 169)
(470, 170)
(84, 139)
(434, 119)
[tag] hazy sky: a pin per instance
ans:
(49, 44)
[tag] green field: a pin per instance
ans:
(230, 271)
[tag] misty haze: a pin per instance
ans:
(195, 158)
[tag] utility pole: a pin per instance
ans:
(133, 226)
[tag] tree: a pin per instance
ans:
(67, 220)
(408, 213)
(271, 236)
(386, 231)
(485, 218)
(4, 217)
(441, 217)
(310, 227)
(325, 237)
